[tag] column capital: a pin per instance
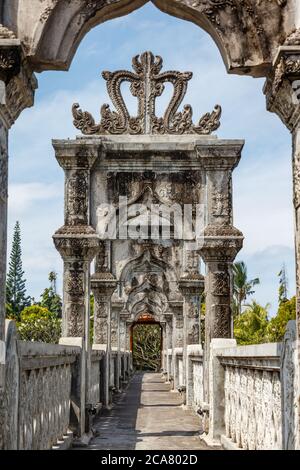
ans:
(103, 285)
(282, 87)
(80, 242)
(191, 285)
(74, 154)
(220, 243)
(220, 157)
(17, 81)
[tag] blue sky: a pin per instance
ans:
(262, 182)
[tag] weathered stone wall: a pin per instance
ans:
(43, 393)
(254, 392)
(253, 397)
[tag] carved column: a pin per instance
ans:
(123, 344)
(168, 343)
(191, 289)
(220, 244)
(282, 90)
(76, 241)
(17, 87)
(177, 328)
(103, 286)
(115, 342)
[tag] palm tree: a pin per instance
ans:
(242, 287)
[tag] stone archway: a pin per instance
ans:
(246, 32)
(254, 38)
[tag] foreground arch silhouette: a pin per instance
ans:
(261, 39)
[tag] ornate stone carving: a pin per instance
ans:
(220, 283)
(9, 61)
(221, 205)
(252, 405)
(290, 388)
(220, 243)
(281, 86)
(20, 84)
(3, 164)
(296, 178)
(77, 198)
(147, 84)
(6, 33)
(221, 326)
(293, 39)
(74, 281)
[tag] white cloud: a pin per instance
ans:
(23, 197)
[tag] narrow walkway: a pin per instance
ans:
(147, 416)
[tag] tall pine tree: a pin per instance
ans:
(283, 286)
(15, 285)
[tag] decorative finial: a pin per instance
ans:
(146, 84)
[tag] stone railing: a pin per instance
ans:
(252, 397)
(95, 378)
(46, 400)
(178, 375)
(37, 393)
(194, 378)
(253, 392)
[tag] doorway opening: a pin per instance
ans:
(146, 345)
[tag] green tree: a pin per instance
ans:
(39, 324)
(277, 325)
(50, 299)
(242, 287)
(147, 347)
(251, 326)
(283, 286)
(16, 297)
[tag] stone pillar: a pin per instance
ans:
(191, 289)
(177, 344)
(76, 241)
(168, 343)
(17, 87)
(220, 243)
(282, 90)
(115, 343)
(78, 244)
(103, 286)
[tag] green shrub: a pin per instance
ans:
(38, 324)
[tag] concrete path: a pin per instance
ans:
(147, 416)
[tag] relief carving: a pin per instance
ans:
(146, 84)
(77, 200)
(221, 327)
(220, 284)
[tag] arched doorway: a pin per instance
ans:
(146, 341)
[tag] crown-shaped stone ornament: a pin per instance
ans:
(147, 83)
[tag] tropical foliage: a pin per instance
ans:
(39, 324)
(50, 299)
(251, 326)
(255, 325)
(147, 347)
(242, 286)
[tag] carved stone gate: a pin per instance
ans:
(146, 196)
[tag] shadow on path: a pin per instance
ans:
(147, 416)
